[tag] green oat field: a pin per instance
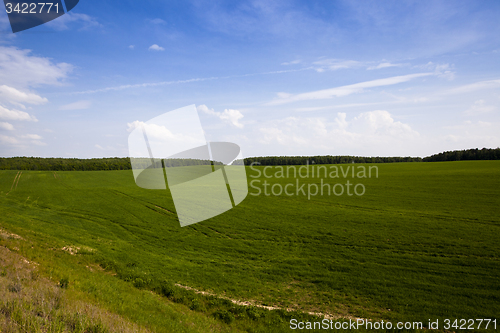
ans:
(421, 244)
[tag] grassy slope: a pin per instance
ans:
(31, 303)
(420, 244)
(32, 299)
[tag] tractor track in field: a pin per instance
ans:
(218, 232)
(15, 182)
(166, 210)
(410, 213)
(207, 233)
(144, 201)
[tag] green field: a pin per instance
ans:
(421, 243)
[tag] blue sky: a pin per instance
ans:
(371, 78)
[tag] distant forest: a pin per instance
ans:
(465, 155)
(123, 163)
(301, 160)
(92, 164)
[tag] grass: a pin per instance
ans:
(31, 303)
(420, 244)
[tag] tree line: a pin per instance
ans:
(91, 164)
(64, 164)
(123, 163)
(301, 160)
(465, 155)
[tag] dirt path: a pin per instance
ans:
(328, 316)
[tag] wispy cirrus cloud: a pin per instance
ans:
(384, 65)
(142, 85)
(335, 64)
(344, 90)
(332, 64)
(163, 83)
(481, 85)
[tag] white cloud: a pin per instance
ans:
(229, 115)
(369, 131)
(13, 95)
(131, 47)
(471, 134)
(133, 125)
(23, 140)
(479, 107)
(232, 116)
(85, 21)
(106, 148)
(345, 90)
(166, 141)
(8, 140)
(156, 47)
(6, 126)
(79, 105)
(445, 71)
(380, 122)
(340, 106)
(15, 115)
(31, 136)
(38, 143)
(153, 130)
(19, 69)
